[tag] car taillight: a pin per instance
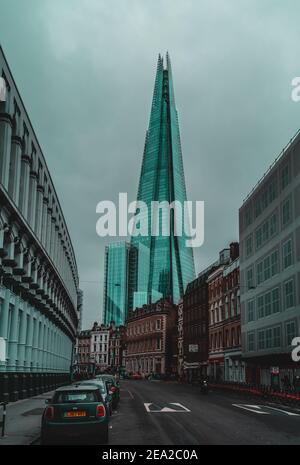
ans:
(49, 413)
(100, 412)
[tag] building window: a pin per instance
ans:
(158, 343)
(248, 217)
(259, 273)
(286, 211)
(249, 246)
(265, 231)
(273, 224)
(275, 300)
(250, 310)
(285, 176)
(287, 253)
(260, 306)
(258, 238)
(268, 307)
(250, 283)
(158, 324)
(261, 340)
(250, 342)
(268, 338)
(289, 294)
(267, 268)
(232, 305)
(276, 337)
(290, 331)
(274, 262)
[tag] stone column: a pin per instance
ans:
(53, 238)
(29, 340)
(35, 343)
(15, 169)
(39, 211)
(13, 336)
(5, 143)
(24, 185)
(48, 232)
(45, 221)
(4, 321)
(22, 339)
(32, 199)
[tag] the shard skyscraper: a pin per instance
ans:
(162, 265)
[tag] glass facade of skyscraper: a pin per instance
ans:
(162, 265)
(116, 282)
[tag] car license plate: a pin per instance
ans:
(75, 413)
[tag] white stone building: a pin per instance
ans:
(99, 353)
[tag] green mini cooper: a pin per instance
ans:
(75, 413)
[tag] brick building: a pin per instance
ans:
(216, 319)
(117, 344)
(180, 350)
(195, 327)
(151, 339)
(82, 352)
(234, 369)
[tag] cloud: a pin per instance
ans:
(85, 69)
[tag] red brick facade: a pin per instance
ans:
(151, 339)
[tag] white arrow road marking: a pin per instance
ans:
(251, 408)
(158, 409)
(292, 414)
(180, 405)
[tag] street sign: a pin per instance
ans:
(193, 347)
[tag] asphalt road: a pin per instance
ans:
(146, 416)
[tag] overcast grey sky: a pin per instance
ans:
(86, 68)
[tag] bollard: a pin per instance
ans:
(2, 423)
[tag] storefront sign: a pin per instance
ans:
(193, 347)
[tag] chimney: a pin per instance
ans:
(234, 251)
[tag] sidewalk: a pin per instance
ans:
(23, 420)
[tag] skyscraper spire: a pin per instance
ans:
(163, 264)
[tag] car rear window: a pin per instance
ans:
(76, 397)
(99, 384)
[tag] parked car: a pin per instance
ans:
(75, 412)
(113, 387)
(104, 390)
(136, 376)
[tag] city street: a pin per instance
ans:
(202, 419)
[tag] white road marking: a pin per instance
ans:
(259, 409)
(251, 408)
(292, 414)
(179, 408)
(130, 393)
